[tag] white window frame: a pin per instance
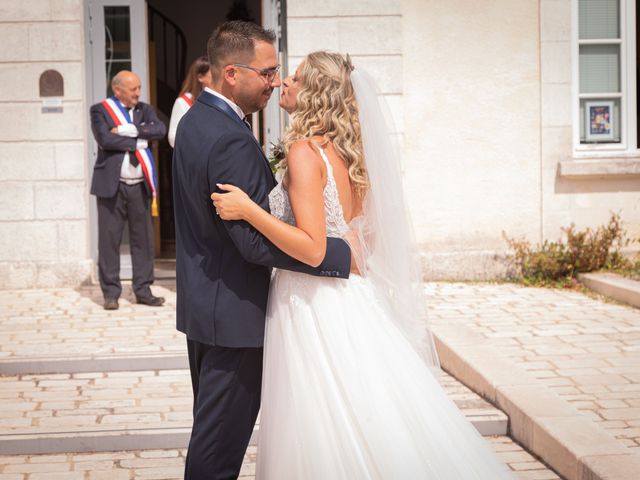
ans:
(96, 86)
(274, 17)
(96, 47)
(628, 114)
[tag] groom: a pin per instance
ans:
(224, 267)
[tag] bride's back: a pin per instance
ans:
(350, 201)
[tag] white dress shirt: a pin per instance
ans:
(128, 173)
(235, 107)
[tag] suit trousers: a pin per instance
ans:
(226, 399)
(131, 204)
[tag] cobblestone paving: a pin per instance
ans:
(64, 322)
(95, 401)
(139, 465)
(128, 400)
(585, 350)
(169, 465)
(51, 323)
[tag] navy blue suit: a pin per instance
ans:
(223, 272)
(112, 147)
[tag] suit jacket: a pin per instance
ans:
(112, 147)
(223, 268)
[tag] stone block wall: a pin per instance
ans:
(43, 169)
(370, 31)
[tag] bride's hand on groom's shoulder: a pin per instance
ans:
(231, 205)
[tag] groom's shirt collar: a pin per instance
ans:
(235, 107)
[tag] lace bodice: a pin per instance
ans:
(281, 206)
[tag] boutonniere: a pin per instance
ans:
(276, 157)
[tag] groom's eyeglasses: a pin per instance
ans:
(269, 74)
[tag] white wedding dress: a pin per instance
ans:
(344, 394)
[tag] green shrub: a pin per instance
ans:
(581, 251)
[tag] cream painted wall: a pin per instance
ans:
(369, 30)
(462, 79)
(43, 187)
(472, 139)
(586, 202)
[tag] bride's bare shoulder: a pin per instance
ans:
(303, 154)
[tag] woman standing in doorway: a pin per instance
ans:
(198, 77)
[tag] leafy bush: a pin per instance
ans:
(581, 251)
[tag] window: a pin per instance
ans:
(117, 42)
(606, 83)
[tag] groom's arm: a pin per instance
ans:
(236, 160)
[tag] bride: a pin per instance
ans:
(348, 389)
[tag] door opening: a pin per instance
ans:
(158, 40)
(178, 34)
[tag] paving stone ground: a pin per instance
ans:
(95, 401)
(105, 401)
(63, 322)
(582, 348)
(142, 465)
(542, 330)
(169, 465)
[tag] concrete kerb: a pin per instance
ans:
(610, 467)
(614, 286)
(92, 363)
(568, 441)
(101, 441)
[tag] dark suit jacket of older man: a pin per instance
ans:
(112, 147)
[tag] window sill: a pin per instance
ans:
(598, 167)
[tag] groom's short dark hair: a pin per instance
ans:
(234, 42)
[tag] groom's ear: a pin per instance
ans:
(230, 74)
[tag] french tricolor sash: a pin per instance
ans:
(187, 99)
(120, 116)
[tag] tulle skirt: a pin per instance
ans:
(344, 395)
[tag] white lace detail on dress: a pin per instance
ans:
(280, 205)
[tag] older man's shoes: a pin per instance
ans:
(111, 304)
(151, 300)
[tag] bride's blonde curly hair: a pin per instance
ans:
(326, 106)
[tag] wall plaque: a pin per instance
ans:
(51, 84)
(51, 91)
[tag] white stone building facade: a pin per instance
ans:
(44, 202)
(486, 97)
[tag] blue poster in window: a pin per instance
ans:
(599, 120)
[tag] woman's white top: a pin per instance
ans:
(180, 107)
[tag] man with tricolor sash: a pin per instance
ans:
(125, 185)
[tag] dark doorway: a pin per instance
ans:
(178, 33)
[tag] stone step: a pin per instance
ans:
(159, 464)
(619, 288)
(106, 411)
(64, 331)
(93, 363)
(487, 419)
(168, 464)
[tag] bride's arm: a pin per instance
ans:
(306, 241)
